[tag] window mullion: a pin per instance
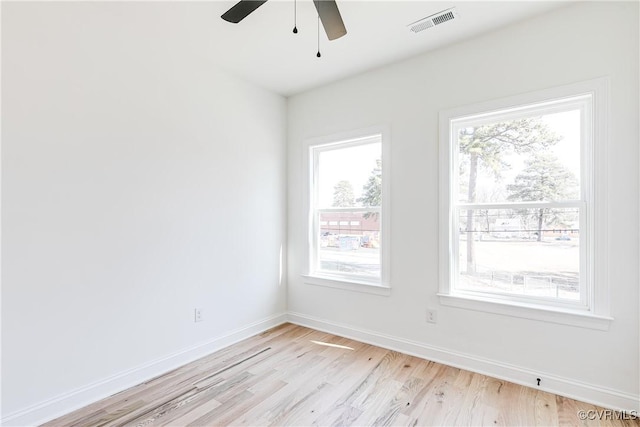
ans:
(523, 205)
(350, 210)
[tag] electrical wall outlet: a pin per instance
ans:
(197, 315)
(432, 316)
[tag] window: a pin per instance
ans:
(519, 204)
(347, 216)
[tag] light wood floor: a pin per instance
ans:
(291, 375)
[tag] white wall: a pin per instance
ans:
(139, 181)
(575, 43)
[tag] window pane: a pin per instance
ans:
(350, 243)
(533, 252)
(350, 176)
(525, 159)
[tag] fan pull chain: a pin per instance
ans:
(295, 17)
(318, 54)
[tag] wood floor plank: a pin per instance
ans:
(292, 375)
(546, 410)
(232, 404)
(345, 370)
(189, 416)
(352, 386)
(293, 396)
(211, 418)
(383, 403)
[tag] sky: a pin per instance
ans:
(353, 164)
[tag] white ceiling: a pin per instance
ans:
(263, 49)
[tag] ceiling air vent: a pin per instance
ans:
(433, 20)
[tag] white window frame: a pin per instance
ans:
(592, 311)
(312, 275)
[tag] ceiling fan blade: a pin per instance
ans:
(331, 18)
(241, 10)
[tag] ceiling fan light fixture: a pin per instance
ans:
(328, 13)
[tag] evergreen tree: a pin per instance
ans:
(343, 194)
(544, 179)
(372, 190)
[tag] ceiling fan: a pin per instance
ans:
(327, 11)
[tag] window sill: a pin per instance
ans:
(348, 284)
(528, 311)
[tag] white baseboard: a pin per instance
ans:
(80, 397)
(607, 398)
